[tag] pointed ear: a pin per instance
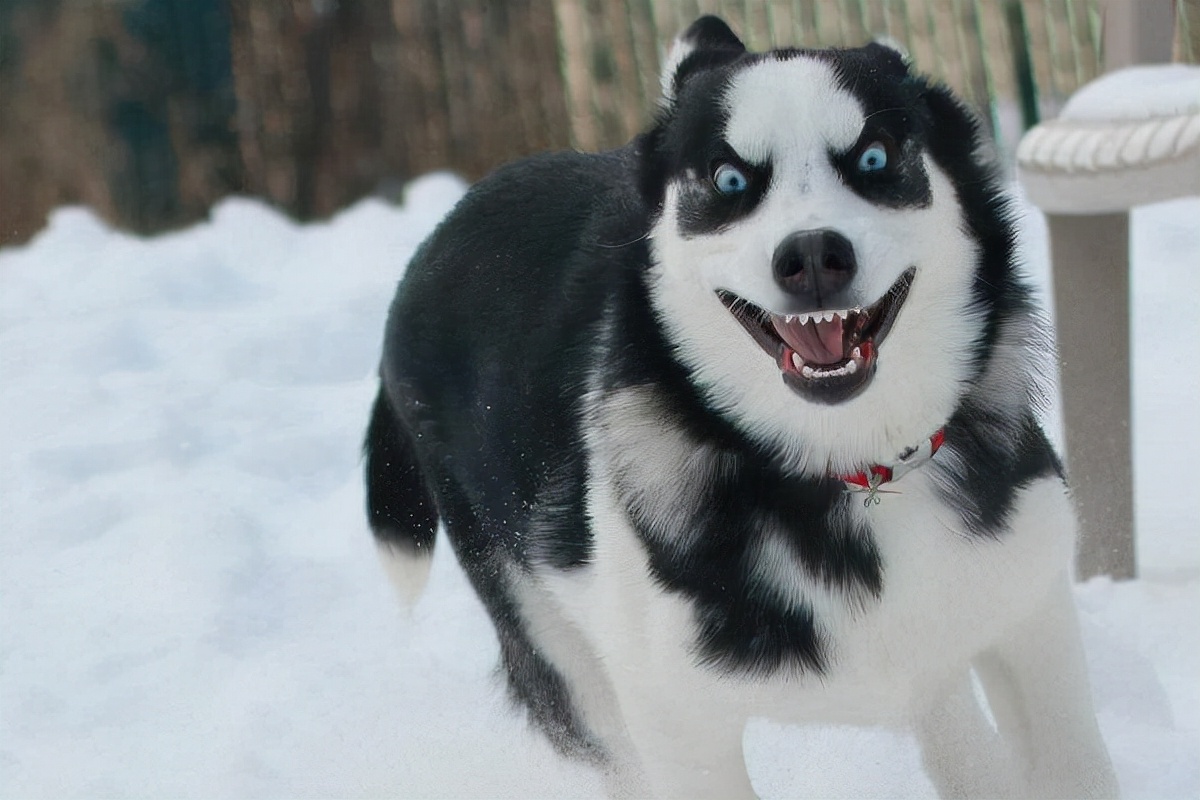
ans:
(707, 42)
(891, 53)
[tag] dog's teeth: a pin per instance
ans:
(796, 362)
(827, 316)
(806, 371)
(842, 314)
(851, 367)
(856, 353)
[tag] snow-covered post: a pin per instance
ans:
(1129, 138)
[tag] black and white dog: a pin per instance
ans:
(739, 420)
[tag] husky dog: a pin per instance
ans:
(739, 420)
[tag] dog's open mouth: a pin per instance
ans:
(827, 356)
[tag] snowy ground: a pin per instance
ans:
(189, 601)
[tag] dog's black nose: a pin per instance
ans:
(814, 265)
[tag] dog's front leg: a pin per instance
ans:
(963, 754)
(687, 752)
(1037, 685)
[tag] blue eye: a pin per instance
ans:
(873, 158)
(729, 179)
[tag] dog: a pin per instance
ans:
(742, 420)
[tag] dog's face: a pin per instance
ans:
(813, 260)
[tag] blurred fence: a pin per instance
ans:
(151, 110)
(1028, 55)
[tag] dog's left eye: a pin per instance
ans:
(873, 158)
(729, 179)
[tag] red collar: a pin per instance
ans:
(870, 479)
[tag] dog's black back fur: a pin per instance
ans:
(491, 383)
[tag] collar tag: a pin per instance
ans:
(870, 479)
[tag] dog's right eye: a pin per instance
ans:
(729, 179)
(873, 158)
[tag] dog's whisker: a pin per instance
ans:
(644, 236)
(882, 111)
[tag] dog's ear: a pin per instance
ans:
(707, 42)
(891, 54)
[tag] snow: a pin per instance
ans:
(1145, 91)
(190, 604)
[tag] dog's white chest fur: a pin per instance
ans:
(946, 595)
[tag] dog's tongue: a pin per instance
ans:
(815, 342)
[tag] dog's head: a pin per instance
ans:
(832, 258)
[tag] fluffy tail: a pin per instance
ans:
(400, 508)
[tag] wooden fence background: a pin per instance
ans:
(152, 110)
(973, 45)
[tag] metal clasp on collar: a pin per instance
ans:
(872, 490)
(870, 479)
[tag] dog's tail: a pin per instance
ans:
(400, 508)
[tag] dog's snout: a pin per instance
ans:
(814, 265)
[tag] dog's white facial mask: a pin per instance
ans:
(793, 115)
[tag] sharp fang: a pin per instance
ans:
(856, 353)
(828, 316)
(804, 318)
(806, 371)
(796, 362)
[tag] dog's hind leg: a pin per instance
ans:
(1038, 689)
(400, 508)
(592, 700)
(963, 754)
